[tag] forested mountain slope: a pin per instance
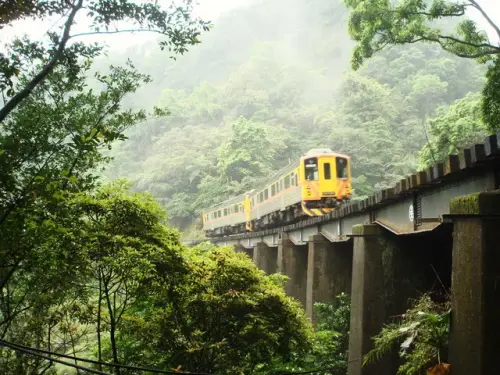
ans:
(273, 80)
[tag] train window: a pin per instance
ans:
(225, 211)
(266, 194)
(287, 182)
(311, 169)
(341, 164)
(328, 172)
(273, 191)
(218, 213)
(241, 207)
(281, 185)
(261, 196)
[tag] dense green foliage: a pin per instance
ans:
(238, 119)
(376, 24)
(422, 335)
(456, 127)
(50, 148)
(222, 315)
(329, 350)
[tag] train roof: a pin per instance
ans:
(321, 151)
(227, 202)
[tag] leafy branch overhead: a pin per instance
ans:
(175, 23)
(375, 24)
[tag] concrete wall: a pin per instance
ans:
(242, 249)
(475, 326)
(266, 257)
(329, 271)
(389, 271)
(292, 262)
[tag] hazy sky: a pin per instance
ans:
(492, 8)
(206, 9)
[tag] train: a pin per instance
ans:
(316, 184)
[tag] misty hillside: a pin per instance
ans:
(270, 81)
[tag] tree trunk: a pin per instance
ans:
(112, 329)
(99, 305)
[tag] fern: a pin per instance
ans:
(422, 334)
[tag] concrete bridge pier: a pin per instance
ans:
(329, 270)
(265, 257)
(388, 270)
(238, 248)
(292, 261)
(475, 325)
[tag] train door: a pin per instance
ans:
(327, 176)
(342, 176)
(247, 206)
(309, 177)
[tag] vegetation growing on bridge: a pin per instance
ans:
(421, 335)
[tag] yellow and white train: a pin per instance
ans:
(318, 183)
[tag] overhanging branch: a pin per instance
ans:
(47, 69)
(488, 19)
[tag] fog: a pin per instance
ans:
(281, 68)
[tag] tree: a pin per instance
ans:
(126, 243)
(51, 146)
(490, 105)
(363, 124)
(375, 24)
(222, 316)
(454, 128)
(242, 155)
(175, 23)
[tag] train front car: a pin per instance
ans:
(326, 181)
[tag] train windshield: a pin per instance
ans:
(311, 169)
(341, 164)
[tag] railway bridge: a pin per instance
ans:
(435, 231)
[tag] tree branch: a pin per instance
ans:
(493, 50)
(481, 45)
(405, 13)
(24, 93)
(490, 21)
(117, 32)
